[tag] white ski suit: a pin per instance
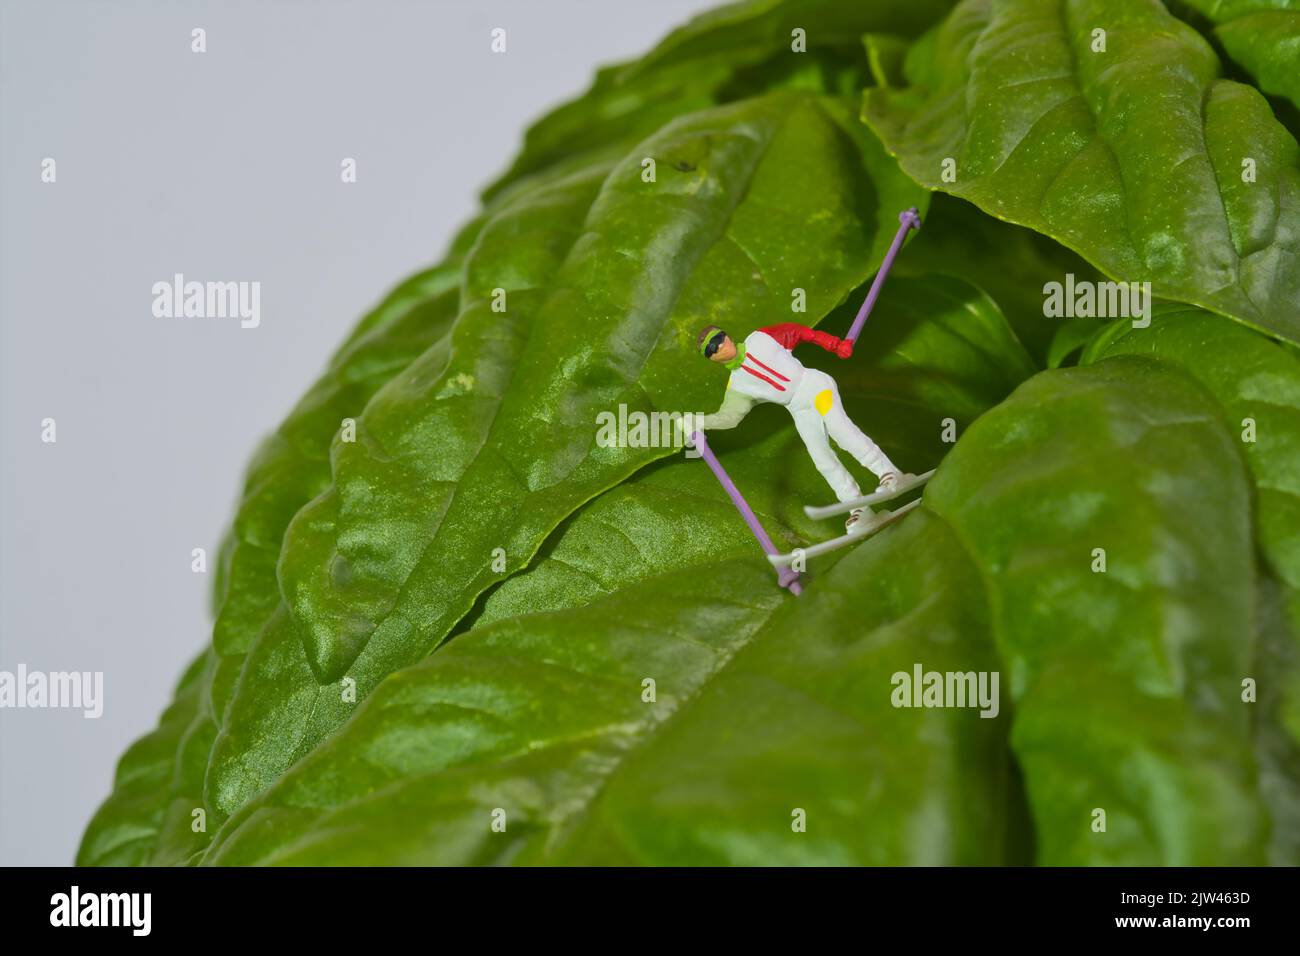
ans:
(767, 371)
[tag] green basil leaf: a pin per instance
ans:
(734, 52)
(1257, 384)
(767, 25)
(763, 707)
(292, 466)
(1277, 736)
(1012, 264)
(1125, 682)
(1132, 156)
(885, 55)
(1263, 36)
(1072, 336)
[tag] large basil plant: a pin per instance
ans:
(468, 633)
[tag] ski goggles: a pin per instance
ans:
(712, 343)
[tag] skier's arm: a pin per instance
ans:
(790, 334)
(734, 408)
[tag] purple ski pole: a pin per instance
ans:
(786, 578)
(909, 220)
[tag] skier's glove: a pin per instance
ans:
(844, 349)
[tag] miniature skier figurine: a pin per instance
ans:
(764, 369)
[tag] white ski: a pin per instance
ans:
(871, 526)
(866, 501)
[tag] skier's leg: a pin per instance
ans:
(851, 438)
(813, 432)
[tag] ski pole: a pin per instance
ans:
(909, 220)
(785, 577)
